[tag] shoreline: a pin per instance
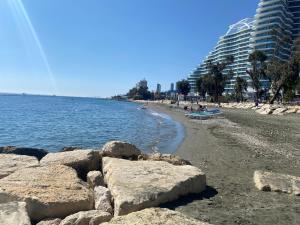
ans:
(229, 149)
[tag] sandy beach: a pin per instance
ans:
(229, 149)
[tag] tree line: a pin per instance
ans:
(283, 76)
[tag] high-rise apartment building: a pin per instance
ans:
(273, 29)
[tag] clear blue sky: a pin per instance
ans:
(103, 47)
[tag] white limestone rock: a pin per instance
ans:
(94, 179)
(173, 159)
(119, 149)
(9, 163)
(155, 216)
(279, 111)
(50, 222)
(82, 161)
(14, 213)
(103, 198)
(50, 191)
(268, 181)
(136, 185)
(92, 217)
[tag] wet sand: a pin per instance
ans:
(229, 149)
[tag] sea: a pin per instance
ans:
(52, 122)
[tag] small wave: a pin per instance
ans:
(164, 116)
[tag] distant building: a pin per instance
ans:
(158, 88)
(172, 87)
(142, 84)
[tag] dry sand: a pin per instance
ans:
(229, 149)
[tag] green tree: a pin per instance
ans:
(132, 93)
(216, 74)
(200, 85)
(183, 87)
(257, 71)
(240, 87)
(284, 75)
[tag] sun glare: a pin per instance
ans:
(29, 33)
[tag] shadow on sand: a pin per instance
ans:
(207, 194)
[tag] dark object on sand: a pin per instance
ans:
(36, 152)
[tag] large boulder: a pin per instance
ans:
(92, 217)
(103, 198)
(50, 222)
(14, 213)
(267, 181)
(119, 149)
(173, 159)
(50, 192)
(94, 179)
(36, 152)
(154, 216)
(9, 163)
(82, 161)
(136, 185)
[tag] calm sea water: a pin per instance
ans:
(55, 122)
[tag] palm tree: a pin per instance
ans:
(216, 73)
(257, 71)
(240, 87)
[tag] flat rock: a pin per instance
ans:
(92, 217)
(14, 213)
(50, 191)
(50, 222)
(291, 110)
(154, 216)
(9, 163)
(119, 149)
(279, 111)
(36, 152)
(136, 185)
(103, 198)
(82, 161)
(94, 179)
(267, 181)
(173, 159)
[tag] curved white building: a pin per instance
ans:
(242, 38)
(235, 42)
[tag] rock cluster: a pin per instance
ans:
(264, 109)
(120, 180)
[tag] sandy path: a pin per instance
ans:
(229, 150)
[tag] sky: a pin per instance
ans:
(100, 48)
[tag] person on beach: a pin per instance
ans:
(200, 108)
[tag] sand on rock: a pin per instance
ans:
(50, 191)
(9, 163)
(136, 185)
(154, 216)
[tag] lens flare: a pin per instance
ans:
(25, 25)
